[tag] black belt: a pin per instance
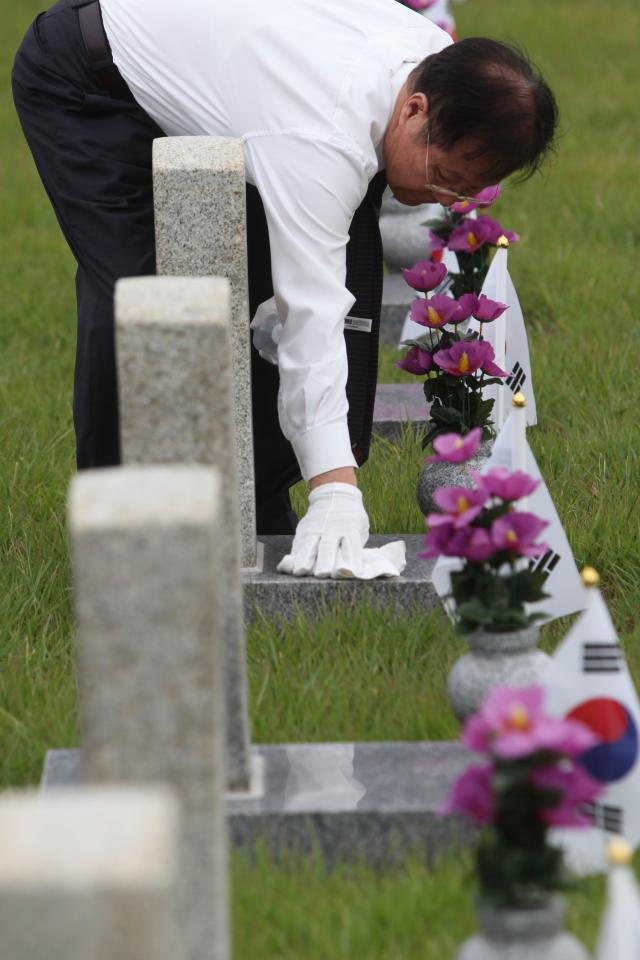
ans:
(104, 70)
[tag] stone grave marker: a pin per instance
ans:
(146, 545)
(173, 343)
(405, 241)
(397, 404)
(89, 873)
(200, 221)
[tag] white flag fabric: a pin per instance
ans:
(588, 679)
(620, 929)
(517, 360)
(563, 584)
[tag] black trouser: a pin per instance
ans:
(93, 152)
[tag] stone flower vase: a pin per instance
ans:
(494, 660)
(527, 934)
(444, 474)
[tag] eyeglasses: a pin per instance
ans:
(436, 188)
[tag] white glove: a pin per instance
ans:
(267, 330)
(330, 539)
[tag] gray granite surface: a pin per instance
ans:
(525, 934)
(200, 222)
(77, 864)
(376, 802)
(495, 660)
(396, 298)
(398, 404)
(433, 476)
(278, 595)
(175, 392)
(149, 623)
(405, 238)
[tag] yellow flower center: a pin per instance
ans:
(471, 239)
(511, 536)
(463, 366)
(433, 315)
(462, 504)
(518, 717)
(463, 204)
(458, 443)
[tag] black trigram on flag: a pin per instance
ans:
(516, 378)
(606, 818)
(546, 563)
(601, 657)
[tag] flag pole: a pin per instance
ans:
(519, 448)
(619, 930)
(500, 329)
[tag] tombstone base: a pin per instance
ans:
(396, 405)
(276, 594)
(371, 802)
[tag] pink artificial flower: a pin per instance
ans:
(425, 275)
(471, 543)
(416, 361)
(516, 532)
(487, 310)
(467, 356)
(483, 199)
(419, 4)
(511, 723)
(453, 448)
(488, 196)
(434, 313)
(469, 235)
(574, 788)
(460, 504)
(445, 540)
(436, 541)
(472, 795)
(441, 309)
(493, 230)
(502, 483)
(467, 304)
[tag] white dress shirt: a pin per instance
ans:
(309, 86)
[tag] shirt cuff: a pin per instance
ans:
(324, 448)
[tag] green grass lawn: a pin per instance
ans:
(356, 675)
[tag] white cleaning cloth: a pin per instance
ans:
(330, 539)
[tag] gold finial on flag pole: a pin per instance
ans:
(519, 400)
(619, 852)
(590, 577)
(502, 241)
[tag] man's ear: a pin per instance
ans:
(415, 106)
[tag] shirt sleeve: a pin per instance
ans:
(310, 190)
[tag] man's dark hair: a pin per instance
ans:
(488, 91)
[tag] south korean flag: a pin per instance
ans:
(498, 285)
(563, 584)
(588, 680)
